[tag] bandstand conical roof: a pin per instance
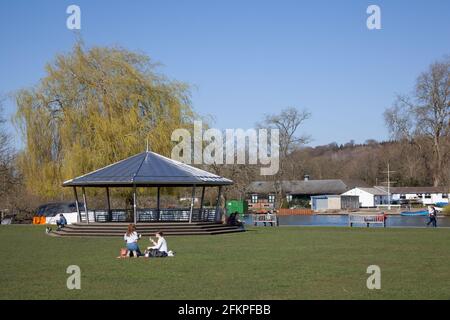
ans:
(147, 169)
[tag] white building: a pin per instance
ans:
(369, 197)
(424, 195)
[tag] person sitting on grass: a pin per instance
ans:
(233, 220)
(61, 222)
(159, 248)
(131, 237)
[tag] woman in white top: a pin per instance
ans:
(160, 244)
(131, 237)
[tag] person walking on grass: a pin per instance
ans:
(432, 216)
(131, 237)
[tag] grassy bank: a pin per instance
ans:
(263, 263)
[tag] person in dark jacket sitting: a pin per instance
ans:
(61, 223)
(233, 220)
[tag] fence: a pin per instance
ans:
(153, 215)
(294, 212)
(126, 215)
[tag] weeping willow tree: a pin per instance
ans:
(94, 107)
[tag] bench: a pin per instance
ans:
(265, 219)
(365, 219)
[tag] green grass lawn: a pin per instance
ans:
(263, 263)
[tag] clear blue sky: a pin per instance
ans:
(247, 58)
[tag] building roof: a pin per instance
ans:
(375, 191)
(148, 169)
(302, 187)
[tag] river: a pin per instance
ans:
(338, 220)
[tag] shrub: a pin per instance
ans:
(446, 210)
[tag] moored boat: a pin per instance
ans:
(414, 213)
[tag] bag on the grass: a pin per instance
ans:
(161, 254)
(123, 252)
(155, 253)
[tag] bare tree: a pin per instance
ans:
(288, 121)
(424, 117)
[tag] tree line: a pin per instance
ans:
(98, 105)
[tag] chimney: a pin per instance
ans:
(306, 177)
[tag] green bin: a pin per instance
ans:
(238, 206)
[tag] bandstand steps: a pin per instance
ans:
(116, 230)
(145, 228)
